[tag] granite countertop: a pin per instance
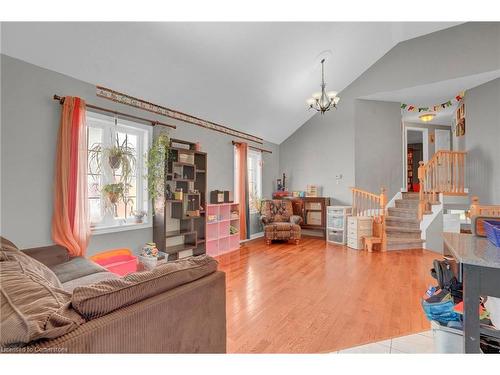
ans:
(469, 249)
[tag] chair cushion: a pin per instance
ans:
(76, 268)
(277, 210)
(95, 300)
(281, 226)
(30, 307)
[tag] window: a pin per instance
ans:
(115, 196)
(254, 165)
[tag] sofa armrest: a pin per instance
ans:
(296, 219)
(48, 255)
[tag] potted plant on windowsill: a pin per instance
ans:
(139, 216)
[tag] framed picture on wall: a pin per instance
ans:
(460, 121)
(460, 131)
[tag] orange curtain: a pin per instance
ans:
(241, 187)
(70, 223)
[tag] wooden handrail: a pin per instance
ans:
(477, 209)
(444, 173)
(365, 203)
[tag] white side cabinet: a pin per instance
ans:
(336, 224)
(357, 228)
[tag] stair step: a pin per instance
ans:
(400, 232)
(407, 203)
(404, 243)
(403, 212)
(410, 195)
(402, 222)
(390, 228)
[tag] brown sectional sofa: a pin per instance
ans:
(177, 308)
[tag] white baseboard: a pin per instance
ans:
(253, 237)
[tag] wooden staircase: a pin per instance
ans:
(402, 225)
(443, 174)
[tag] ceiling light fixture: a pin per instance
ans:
(426, 117)
(323, 101)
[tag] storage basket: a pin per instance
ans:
(148, 262)
(492, 228)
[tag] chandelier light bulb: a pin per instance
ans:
(316, 95)
(331, 94)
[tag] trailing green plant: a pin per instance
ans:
(157, 156)
(119, 155)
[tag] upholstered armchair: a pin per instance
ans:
(279, 221)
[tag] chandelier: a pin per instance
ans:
(323, 101)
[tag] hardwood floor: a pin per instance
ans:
(317, 297)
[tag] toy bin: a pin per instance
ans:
(118, 261)
(492, 228)
(447, 339)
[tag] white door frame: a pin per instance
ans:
(425, 149)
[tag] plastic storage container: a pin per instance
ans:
(148, 262)
(446, 339)
(118, 261)
(492, 228)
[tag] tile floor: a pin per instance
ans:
(411, 344)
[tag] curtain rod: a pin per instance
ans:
(152, 122)
(255, 148)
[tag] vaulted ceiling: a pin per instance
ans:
(254, 77)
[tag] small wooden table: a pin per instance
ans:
(479, 271)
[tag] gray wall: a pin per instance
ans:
(319, 150)
(482, 141)
(30, 121)
(378, 145)
(344, 140)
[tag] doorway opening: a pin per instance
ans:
(416, 149)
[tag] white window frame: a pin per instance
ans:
(144, 135)
(254, 160)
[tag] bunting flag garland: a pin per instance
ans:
(433, 108)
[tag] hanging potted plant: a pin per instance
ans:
(114, 192)
(119, 155)
(157, 156)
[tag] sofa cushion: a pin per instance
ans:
(75, 268)
(106, 296)
(49, 255)
(30, 307)
(9, 252)
(93, 278)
